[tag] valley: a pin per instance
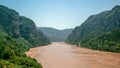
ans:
(59, 34)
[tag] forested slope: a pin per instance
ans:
(17, 35)
(100, 31)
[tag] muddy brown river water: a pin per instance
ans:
(62, 55)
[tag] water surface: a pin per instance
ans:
(61, 55)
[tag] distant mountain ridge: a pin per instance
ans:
(55, 35)
(105, 24)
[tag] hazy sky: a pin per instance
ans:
(59, 14)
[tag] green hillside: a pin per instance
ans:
(98, 31)
(17, 35)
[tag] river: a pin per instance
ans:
(62, 55)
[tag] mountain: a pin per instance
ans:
(98, 31)
(29, 31)
(17, 35)
(55, 35)
(20, 26)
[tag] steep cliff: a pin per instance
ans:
(96, 26)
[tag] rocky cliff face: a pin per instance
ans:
(105, 24)
(9, 20)
(20, 26)
(96, 25)
(17, 35)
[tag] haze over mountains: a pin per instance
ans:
(55, 35)
(100, 31)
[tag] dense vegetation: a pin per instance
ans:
(12, 53)
(110, 41)
(55, 35)
(100, 31)
(17, 35)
